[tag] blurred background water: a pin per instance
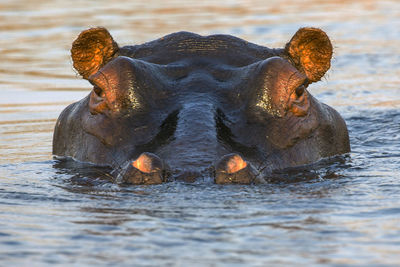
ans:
(343, 211)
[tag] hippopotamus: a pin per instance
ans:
(187, 106)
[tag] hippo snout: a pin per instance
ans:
(149, 169)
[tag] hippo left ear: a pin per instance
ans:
(311, 51)
(92, 50)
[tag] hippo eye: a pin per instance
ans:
(98, 91)
(300, 90)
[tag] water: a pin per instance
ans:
(342, 211)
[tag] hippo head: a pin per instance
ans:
(187, 106)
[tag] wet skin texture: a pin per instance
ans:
(187, 106)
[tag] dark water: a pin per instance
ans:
(341, 211)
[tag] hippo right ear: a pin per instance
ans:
(311, 51)
(92, 50)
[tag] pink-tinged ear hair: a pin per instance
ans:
(92, 50)
(311, 51)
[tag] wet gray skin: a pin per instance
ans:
(186, 106)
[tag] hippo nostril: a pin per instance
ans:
(148, 163)
(232, 169)
(231, 163)
(148, 168)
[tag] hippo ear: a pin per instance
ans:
(92, 50)
(311, 51)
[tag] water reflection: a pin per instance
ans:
(328, 168)
(184, 208)
(241, 223)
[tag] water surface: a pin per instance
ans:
(342, 211)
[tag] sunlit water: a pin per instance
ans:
(342, 211)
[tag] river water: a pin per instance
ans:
(341, 211)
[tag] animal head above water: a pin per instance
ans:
(187, 105)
